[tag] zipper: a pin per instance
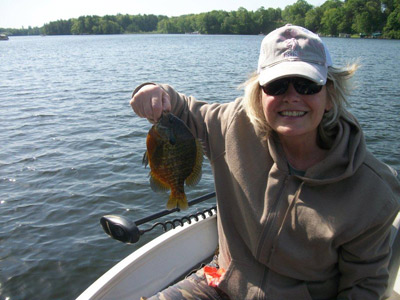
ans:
(263, 284)
(270, 225)
(269, 228)
(267, 233)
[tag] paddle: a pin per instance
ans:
(127, 231)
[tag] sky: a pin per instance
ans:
(25, 13)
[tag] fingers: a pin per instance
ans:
(150, 101)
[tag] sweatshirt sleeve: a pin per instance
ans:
(363, 262)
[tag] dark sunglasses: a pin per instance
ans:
(302, 85)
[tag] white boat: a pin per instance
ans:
(3, 37)
(157, 264)
(161, 262)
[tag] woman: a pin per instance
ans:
(304, 210)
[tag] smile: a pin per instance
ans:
(289, 113)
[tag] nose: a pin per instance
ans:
(291, 94)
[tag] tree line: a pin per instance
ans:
(334, 17)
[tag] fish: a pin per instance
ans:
(175, 158)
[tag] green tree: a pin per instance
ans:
(333, 18)
(210, 22)
(313, 19)
(132, 28)
(108, 25)
(228, 25)
(186, 24)
(388, 5)
(78, 26)
(124, 21)
(168, 25)
(296, 13)
(392, 27)
(361, 23)
(266, 20)
(150, 23)
(367, 15)
(60, 27)
(88, 24)
(244, 22)
(331, 21)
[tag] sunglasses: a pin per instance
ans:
(301, 85)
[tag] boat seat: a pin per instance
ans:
(393, 289)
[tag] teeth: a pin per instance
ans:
(293, 113)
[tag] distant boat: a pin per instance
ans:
(344, 35)
(3, 37)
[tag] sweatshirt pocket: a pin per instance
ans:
(279, 287)
(253, 281)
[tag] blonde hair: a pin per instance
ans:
(338, 89)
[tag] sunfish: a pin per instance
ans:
(175, 157)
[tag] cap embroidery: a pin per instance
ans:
(291, 45)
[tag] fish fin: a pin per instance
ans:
(156, 185)
(195, 176)
(145, 159)
(177, 200)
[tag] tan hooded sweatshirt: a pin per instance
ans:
(321, 236)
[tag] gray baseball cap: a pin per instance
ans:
(293, 51)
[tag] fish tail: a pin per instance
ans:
(177, 199)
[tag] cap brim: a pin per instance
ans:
(314, 72)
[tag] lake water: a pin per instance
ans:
(71, 148)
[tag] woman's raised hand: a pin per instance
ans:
(150, 101)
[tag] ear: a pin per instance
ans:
(328, 106)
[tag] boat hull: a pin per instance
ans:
(152, 267)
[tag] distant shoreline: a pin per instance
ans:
(333, 18)
(190, 34)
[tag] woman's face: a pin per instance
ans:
(293, 115)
